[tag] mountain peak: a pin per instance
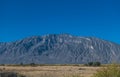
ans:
(59, 49)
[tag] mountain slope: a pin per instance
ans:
(59, 49)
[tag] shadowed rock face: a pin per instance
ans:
(59, 49)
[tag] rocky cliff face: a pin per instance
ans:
(59, 49)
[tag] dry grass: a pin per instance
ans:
(112, 70)
(52, 71)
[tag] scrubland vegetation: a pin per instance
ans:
(112, 70)
(33, 70)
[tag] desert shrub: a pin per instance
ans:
(90, 63)
(109, 71)
(32, 64)
(10, 74)
(21, 64)
(93, 64)
(96, 63)
(2, 64)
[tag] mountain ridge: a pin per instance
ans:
(59, 49)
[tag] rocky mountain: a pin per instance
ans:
(59, 49)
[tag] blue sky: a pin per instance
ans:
(24, 18)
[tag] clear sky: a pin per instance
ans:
(24, 18)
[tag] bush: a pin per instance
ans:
(32, 64)
(96, 64)
(10, 74)
(110, 71)
(90, 63)
(93, 64)
(21, 64)
(2, 64)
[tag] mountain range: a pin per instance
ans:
(59, 49)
